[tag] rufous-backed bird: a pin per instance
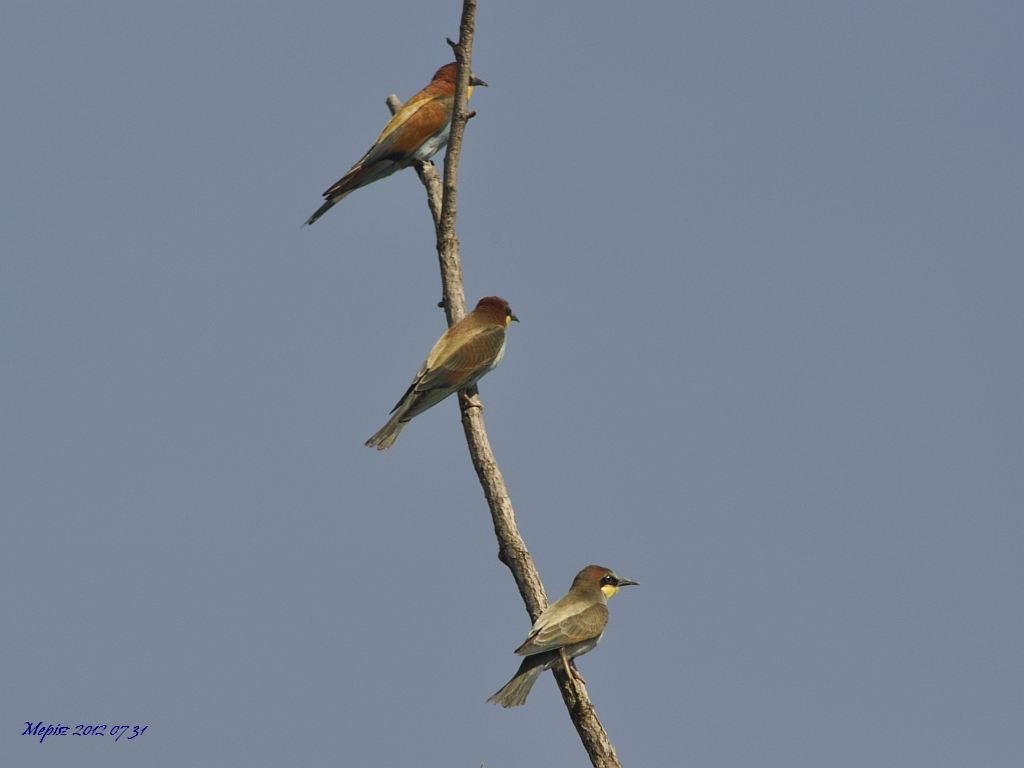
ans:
(414, 133)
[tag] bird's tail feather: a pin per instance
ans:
(386, 435)
(359, 175)
(328, 204)
(515, 691)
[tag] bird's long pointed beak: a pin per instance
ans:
(473, 80)
(627, 582)
(514, 318)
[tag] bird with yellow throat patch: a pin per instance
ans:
(565, 629)
(465, 352)
(414, 133)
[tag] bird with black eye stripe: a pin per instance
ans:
(565, 629)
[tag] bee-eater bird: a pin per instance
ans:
(416, 132)
(565, 629)
(465, 352)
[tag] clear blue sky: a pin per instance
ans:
(768, 261)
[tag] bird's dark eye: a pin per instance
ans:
(608, 579)
(508, 311)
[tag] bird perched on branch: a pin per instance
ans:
(416, 132)
(565, 629)
(465, 352)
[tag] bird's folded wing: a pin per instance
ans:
(419, 119)
(455, 361)
(575, 628)
(413, 124)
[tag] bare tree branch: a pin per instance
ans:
(512, 551)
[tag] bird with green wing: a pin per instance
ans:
(565, 629)
(464, 353)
